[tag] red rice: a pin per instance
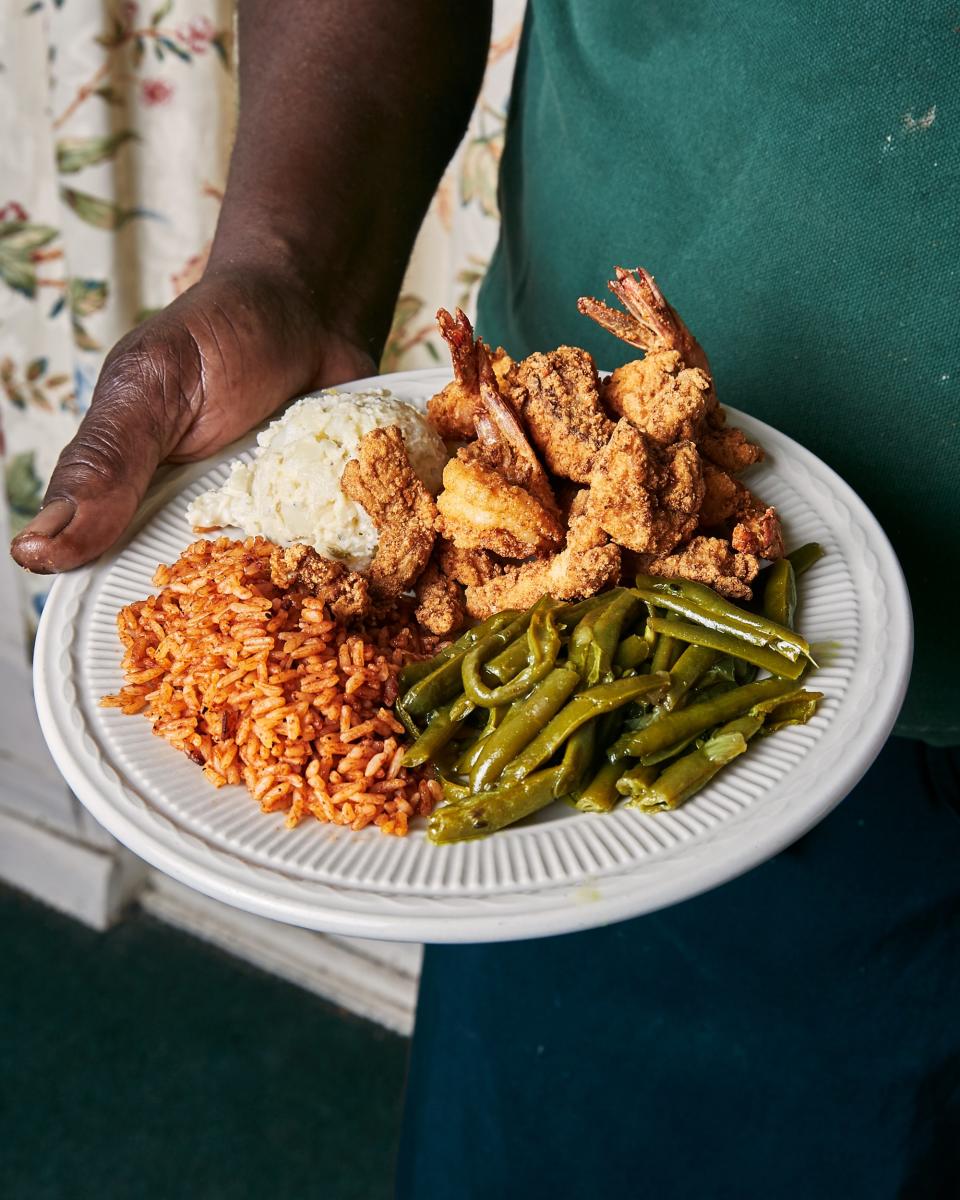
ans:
(261, 687)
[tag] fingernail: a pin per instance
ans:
(52, 519)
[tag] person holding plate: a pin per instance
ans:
(791, 170)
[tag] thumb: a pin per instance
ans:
(103, 473)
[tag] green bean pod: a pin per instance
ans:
(689, 774)
(633, 652)
(446, 681)
(780, 592)
(697, 718)
(543, 647)
(601, 794)
(605, 697)
(595, 638)
(687, 671)
(577, 758)
(665, 650)
(633, 782)
(704, 606)
(521, 724)
(440, 730)
(489, 811)
(413, 672)
(728, 643)
(803, 558)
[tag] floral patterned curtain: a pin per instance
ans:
(118, 121)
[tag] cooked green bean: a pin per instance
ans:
(804, 557)
(600, 794)
(595, 638)
(687, 671)
(577, 758)
(665, 651)
(689, 774)
(635, 781)
(489, 811)
(440, 730)
(780, 592)
(511, 660)
(543, 646)
(605, 697)
(698, 718)
(632, 652)
(521, 724)
(794, 710)
(413, 672)
(472, 750)
(727, 643)
(704, 606)
(446, 681)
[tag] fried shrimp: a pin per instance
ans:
(650, 322)
(479, 510)
(382, 481)
(454, 410)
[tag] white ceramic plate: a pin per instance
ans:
(562, 872)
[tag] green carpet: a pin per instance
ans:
(143, 1063)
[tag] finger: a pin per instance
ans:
(137, 411)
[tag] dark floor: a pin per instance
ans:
(142, 1063)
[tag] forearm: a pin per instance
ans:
(349, 112)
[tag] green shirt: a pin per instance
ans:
(788, 170)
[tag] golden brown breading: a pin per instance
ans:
(479, 510)
(758, 532)
(729, 448)
(646, 496)
(466, 566)
(570, 575)
(722, 495)
(440, 603)
(710, 561)
(345, 593)
(727, 505)
(558, 398)
(665, 400)
(382, 481)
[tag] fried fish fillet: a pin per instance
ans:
(345, 593)
(384, 484)
(707, 560)
(645, 496)
(727, 447)
(754, 528)
(574, 573)
(559, 401)
(440, 604)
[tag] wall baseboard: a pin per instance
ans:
(91, 883)
(375, 980)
